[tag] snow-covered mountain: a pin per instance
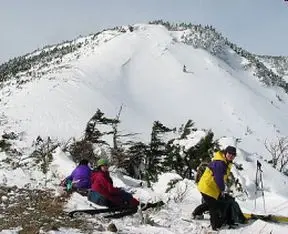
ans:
(56, 90)
(142, 70)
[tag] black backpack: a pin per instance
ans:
(232, 213)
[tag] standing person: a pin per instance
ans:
(212, 184)
(79, 178)
(104, 193)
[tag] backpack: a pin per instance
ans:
(200, 170)
(232, 213)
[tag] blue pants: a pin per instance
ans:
(98, 199)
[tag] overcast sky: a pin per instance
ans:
(260, 26)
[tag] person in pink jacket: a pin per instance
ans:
(104, 193)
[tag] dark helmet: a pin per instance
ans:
(84, 162)
(230, 149)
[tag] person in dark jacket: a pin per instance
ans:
(104, 193)
(212, 185)
(80, 177)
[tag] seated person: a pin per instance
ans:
(104, 193)
(79, 178)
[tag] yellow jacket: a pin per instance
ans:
(213, 180)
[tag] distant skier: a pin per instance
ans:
(184, 69)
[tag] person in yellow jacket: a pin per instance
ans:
(212, 183)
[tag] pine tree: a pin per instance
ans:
(173, 160)
(117, 152)
(92, 132)
(134, 163)
(186, 130)
(157, 150)
(119, 155)
(198, 153)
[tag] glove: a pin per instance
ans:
(69, 185)
(222, 194)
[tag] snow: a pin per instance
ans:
(142, 70)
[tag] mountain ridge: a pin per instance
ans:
(205, 37)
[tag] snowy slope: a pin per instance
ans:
(142, 70)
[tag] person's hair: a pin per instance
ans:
(84, 162)
(230, 149)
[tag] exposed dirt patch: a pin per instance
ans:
(35, 210)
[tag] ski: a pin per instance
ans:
(121, 214)
(74, 213)
(268, 218)
(119, 211)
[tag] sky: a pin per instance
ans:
(258, 25)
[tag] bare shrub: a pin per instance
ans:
(42, 155)
(279, 153)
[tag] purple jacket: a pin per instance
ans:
(219, 169)
(80, 176)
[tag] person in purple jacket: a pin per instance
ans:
(80, 177)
